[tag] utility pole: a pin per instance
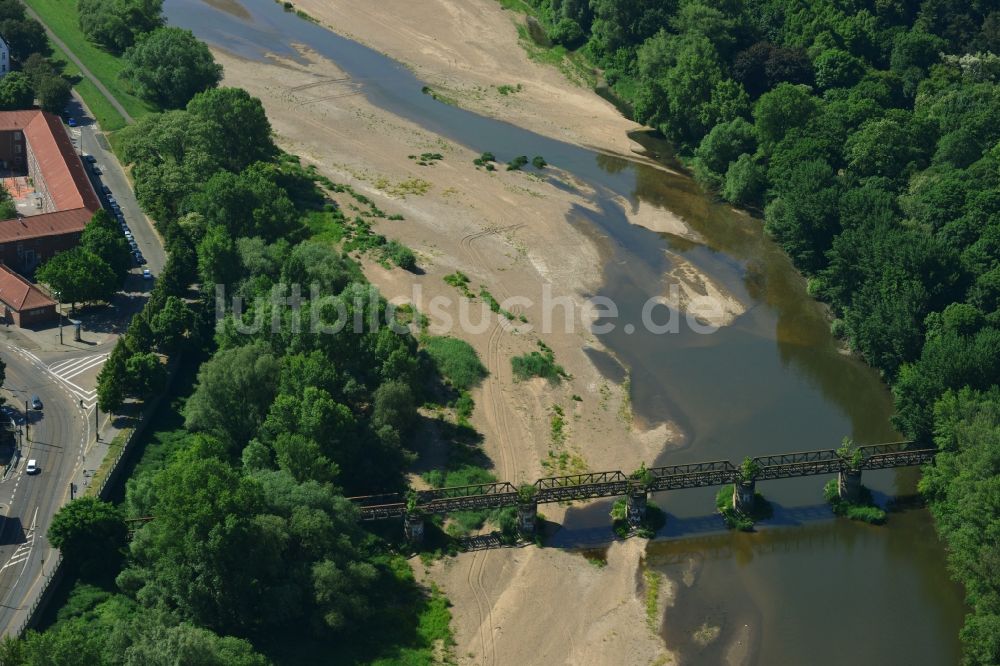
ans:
(27, 433)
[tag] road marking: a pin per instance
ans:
(68, 369)
(23, 552)
(75, 366)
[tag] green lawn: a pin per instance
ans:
(62, 18)
(106, 114)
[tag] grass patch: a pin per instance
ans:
(102, 471)
(737, 520)
(426, 159)
(415, 186)
(558, 425)
(563, 462)
(573, 65)
(330, 225)
(487, 297)
(324, 226)
(62, 18)
(864, 510)
(506, 89)
(460, 281)
(439, 97)
(106, 115)
(653, 582)
(457, 361)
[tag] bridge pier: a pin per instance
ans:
(635, 505)
(527, 517)
(849, 485)
(413, 528)
(744, 493)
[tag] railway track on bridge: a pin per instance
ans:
(616, 483)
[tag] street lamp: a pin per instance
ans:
(58, 312)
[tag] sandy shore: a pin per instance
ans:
(508, 232)
(466, 50)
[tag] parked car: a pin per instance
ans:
(87, 157)
(126, 231)
(71, 121)
(32, 467)
(36, 402)
(96, 169)
(139, 259)
(146, 275)
(106, 190)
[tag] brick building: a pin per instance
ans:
(22, 302)
(35, 143)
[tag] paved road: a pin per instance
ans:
(63, 432)
(57, 437)
(93, 142)
(83, 68)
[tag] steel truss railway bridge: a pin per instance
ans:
(413, 507)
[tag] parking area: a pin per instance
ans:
(115, 190)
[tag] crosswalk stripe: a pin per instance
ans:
(66, 370)
(74, 366)
(81, 368)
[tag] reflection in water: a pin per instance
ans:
(231, 7)
(774, 381)
(741, 582)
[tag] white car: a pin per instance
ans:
(32, 467)
(146, 275)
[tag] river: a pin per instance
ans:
(805, 588)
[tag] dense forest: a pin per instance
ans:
(868, 135)
(253, 555)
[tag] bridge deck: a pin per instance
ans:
(616, 483)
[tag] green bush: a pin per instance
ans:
(401, 255)
(517, 163)
(863, 510)
(537, 364)
(539, 162)
(463, 408)
(456, 360)
(737, 520)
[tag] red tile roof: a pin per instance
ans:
(62, 171)
(47, 224)
(19, 294)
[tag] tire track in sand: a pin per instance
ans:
(499, 418)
